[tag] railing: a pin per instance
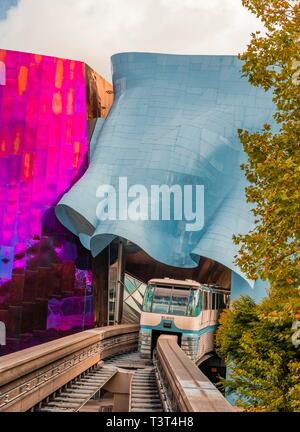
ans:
(184, 387)
(31, 375)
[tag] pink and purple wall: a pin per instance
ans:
(45, 277)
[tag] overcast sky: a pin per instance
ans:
(93, 30)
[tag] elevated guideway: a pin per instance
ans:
(77, 393)
(30, 376)
(101, 370)
(185, 387)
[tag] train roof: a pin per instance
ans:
(177, 282)
(188, 283)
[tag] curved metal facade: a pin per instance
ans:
(174, 121)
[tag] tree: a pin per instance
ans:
(256, 340)
(256, 343)
(272, 249)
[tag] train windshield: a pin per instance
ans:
(172, 300)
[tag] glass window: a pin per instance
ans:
(213, 301)
(161, 300)
(179, 303)
(195, 303)
(223, 301)
(172, 300)
(148, 298)
(220, 301)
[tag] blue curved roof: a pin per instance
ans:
(174, 121)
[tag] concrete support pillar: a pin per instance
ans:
(120, 282)
(119, 385)
(100, 288)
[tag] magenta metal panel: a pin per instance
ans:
(43, 151)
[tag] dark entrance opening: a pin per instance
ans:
(157, 333)
(215, 369)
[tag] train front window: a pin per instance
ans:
(172, 300)
(161, 300)
(179, 302)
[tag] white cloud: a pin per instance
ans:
(93, 30)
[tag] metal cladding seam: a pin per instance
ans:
(174, 121)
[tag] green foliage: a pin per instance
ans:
(272, 61)
(256, 343)
(256, 340)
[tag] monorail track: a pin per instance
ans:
(74, 395)
(100, 370)
(187, 389)
(144, 394)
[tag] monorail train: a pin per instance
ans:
(187, 309)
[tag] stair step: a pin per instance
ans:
(62, 404)
(85, 387)
(146, 410)
(48, 409)
(80, 392)
(140, 400)
(71, 398)
(143, 392)
(92, 381)
(144, 387)
(73, 395)
(145, 405)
